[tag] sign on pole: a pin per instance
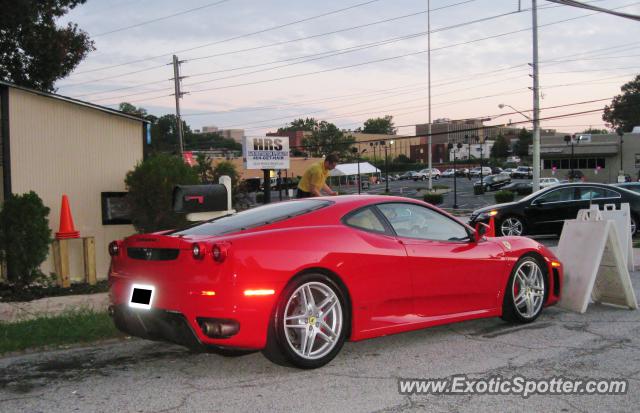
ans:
(269, 152)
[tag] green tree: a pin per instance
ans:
(624, 111)
(326, 139)
(229, 169)
(204, 169)
(150, 187)
(402, 158)
(34, 51)
(24, 237)
(594, 131)
(127, 107)
(379, 125)
(525, 138)
(307, 124)
(500, 148)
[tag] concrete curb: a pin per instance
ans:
(52, 306)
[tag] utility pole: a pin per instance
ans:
(429, 138)
(178, 94)
(536, 101)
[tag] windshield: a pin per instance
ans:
(255, 217)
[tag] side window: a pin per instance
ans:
(597, 193)
(559, 195)
(415, 221)
(365, 219)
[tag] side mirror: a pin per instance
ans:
(481, 230)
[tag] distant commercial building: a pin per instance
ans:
(295, 138)
(374, 144)
(235, 134)
(599, 157)
(54, 145)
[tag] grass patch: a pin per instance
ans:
(636, 243)
(73, 327)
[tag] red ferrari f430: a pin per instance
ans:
(298, 278)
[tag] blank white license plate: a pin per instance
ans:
(141, 296)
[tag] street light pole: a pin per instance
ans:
(386, 170)
(429, 138)
(536, 100)
(479, 140)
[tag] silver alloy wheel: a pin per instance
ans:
(528, 289)
(313, 320)
(511, 226)
(633, 226)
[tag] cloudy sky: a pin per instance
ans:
(258, 64)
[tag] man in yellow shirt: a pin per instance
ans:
(314, 180)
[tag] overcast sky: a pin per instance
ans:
(586, 58)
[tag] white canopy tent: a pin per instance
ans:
(348, 169)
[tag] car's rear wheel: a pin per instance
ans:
(634, 226)
(310, 322)
(526, 291)
(512, 226)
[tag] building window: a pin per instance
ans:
(637, 160)
(600, 163)
(547, 164)
(591, 163)
(582, 163)
(115, 209)
(564, 164)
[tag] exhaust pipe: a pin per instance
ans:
(218, 328)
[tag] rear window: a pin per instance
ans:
(255, 217)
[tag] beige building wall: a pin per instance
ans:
(58, 147)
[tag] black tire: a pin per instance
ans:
(511, 217)
(510, 312)
(634, 225)
(278, 348)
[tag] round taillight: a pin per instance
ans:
(197, 250)
(114, 248)
(218, 253)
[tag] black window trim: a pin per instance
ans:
(387, 223)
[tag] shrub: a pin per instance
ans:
(150, 187)
(440, 186)
(504, 196)
(24, 237)
(434, 199)
(260, 197)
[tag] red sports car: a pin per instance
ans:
(296, 279)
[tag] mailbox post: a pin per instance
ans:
(267, 185)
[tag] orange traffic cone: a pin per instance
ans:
(66, 222)
(491, 232)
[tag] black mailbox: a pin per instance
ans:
(199, 198)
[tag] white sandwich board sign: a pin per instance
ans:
(594, 263)
(269, 152)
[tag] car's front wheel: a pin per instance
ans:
(526, 291)
(310, 322)
(634, 226)
(512, 226)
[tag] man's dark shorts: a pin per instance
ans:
(303, 194)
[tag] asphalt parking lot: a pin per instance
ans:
(143, 376)
(466, 198)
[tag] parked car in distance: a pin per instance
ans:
(435, 174)
(575, 175)
(547, 182)
(448, 173)
(407, 175)
(508, 171)
(298, 278)
(545, 211)
(496, 170)
(493, 182)
(522, 172)
(520, 188)
(462, 172)
(513, 159)
(486, 171)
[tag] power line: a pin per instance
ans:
(280, 26)
(598, 9)
(169, 16)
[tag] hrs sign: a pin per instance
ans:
(271, 152)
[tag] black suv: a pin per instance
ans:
(492, 182)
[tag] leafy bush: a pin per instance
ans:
(24, 237)
(260, 197)
(432, 198)
(504, 196)
(150, 187)
(440, 186)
